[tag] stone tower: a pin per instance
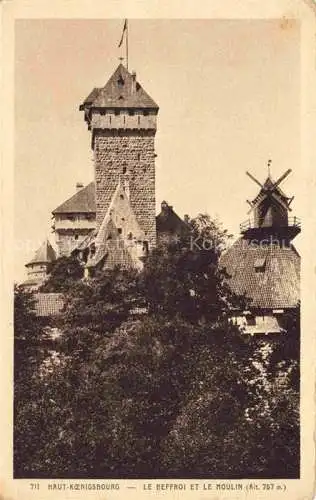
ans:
(122, 119)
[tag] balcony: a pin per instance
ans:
(293, 227)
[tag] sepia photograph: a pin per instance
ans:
(157, 235)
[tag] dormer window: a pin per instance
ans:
(260, 265)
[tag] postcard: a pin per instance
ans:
(158, 250)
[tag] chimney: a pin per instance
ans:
(133, 82)
(79, 186)
(165, 208)
(186, 219)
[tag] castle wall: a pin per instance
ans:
(67, 241)
(128, 156)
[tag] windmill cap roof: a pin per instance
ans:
(44, 254)
(81, 202)
(121, 91)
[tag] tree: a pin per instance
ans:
(64, 273)
(183, 277)
(177, 392)
(30, 349)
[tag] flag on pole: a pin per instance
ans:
(124, 30)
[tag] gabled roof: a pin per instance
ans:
(121, 91)
(274, 284)
(81, 202)
(167, 221)
(110, 242)
(44, 254)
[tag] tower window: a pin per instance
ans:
(138, 156)
(110, 119)
(124, 170)
(138, 120)
(124, 119)
(119, 230)
(122, 196)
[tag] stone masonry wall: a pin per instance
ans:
(128, 156)
(67, 241)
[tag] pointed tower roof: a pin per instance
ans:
(121, 91)
(81, 202)
(43, 255)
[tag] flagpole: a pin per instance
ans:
(127, 44)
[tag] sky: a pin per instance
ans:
(229, 99)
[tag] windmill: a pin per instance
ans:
(271, 206)
(263, 265)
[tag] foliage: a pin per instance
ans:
(30, 349)
(64, 273)
(176, 392)
(184, 277)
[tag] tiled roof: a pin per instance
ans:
(44, 254)
(48, 304)
(273, 285)
(81, 202)
(121, 91)
(93, 94)
(169, 222)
